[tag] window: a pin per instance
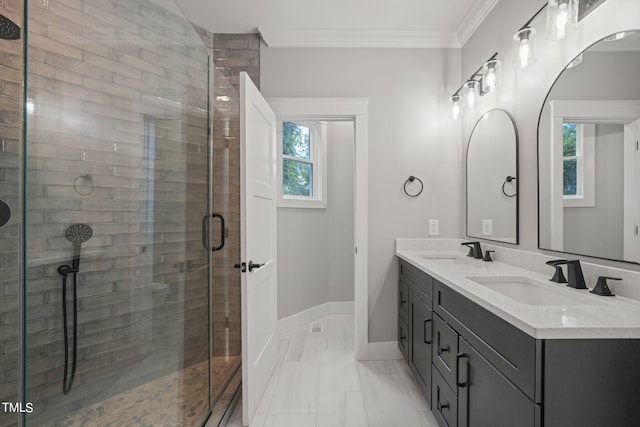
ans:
(570, 160)
(578, 164)
(302, 154)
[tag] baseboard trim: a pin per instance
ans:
(384, 350)
(297, 320)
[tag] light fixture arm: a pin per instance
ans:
(534, 17)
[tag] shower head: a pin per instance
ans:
(78, 233)
(8, 29)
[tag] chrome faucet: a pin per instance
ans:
(574, 271)
(474, 249)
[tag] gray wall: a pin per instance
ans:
(410, 133)
(315, 246)
(523, 91)
(598, 230)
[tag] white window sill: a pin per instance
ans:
(302, 203)
(578, 202)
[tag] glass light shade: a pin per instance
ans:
(619, 36)
(575, 62)
(456, 107)
(470, 93)
(525, 46)
(491, 75)
(562, 18)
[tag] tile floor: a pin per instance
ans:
(173, 400)
(319, 383)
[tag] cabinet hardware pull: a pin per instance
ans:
(444, 349)
(425, 331)
(441, 406)
(460, 383)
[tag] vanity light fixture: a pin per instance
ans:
(491, 75)
(470, 92)
(476, 86)
(562, 18)
(456, 107)
(525, 44)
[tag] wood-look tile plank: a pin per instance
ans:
(386, 400)
(297, 388)
(341, 409)
(291, 420)
(339, 371)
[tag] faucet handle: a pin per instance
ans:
(558, 276)
(601, 287)
(472, 252)
(487, 256)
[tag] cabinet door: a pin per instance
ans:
(486, 398)
(403, 301)
(403, 338)
(420, 348)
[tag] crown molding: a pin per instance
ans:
(360, 38)
(473, 18)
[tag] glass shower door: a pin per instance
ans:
(117, 274)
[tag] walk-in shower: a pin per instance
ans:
(118, 302)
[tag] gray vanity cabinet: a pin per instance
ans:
(420, 318)
(415, 296)
(485, 372)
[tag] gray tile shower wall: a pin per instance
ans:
(10, 110)
(117, 140)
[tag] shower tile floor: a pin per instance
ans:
(319, 383)
(178, 399)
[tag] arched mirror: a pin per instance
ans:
(588, 161)
(492, 178)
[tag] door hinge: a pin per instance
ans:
(636, 230)
(637, 146)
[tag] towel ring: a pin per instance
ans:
(509, 179)
(411, 179)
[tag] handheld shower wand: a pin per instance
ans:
(76, 234)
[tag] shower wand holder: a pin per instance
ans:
(65, 270)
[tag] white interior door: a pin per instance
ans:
(259, 290)
(631, 186)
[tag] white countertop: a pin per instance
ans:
(592, 316)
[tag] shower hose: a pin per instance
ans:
(64, 271)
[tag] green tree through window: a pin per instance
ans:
(297, 168)
(570, 160)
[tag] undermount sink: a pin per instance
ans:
(532, 292)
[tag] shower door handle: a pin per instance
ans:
(205, 231)
(222, 227)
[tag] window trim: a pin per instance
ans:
(318, 156)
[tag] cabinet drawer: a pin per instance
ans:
(445, 402)
(403, 301)
(445, 348)
(420, 282)
(510, 350)
(403, 338)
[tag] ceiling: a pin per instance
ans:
(384, 23)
